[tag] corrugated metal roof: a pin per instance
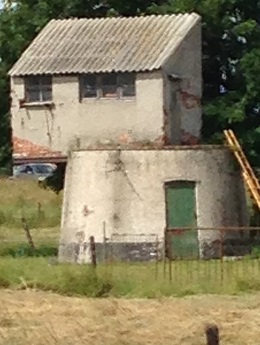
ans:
(104, 45)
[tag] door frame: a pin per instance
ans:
(195, 183)
(173, 182)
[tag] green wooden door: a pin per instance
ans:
(181, 213)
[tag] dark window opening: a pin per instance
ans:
(38, 89)
(109, 85)
(89, 86)
(126, 82)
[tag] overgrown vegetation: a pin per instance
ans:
(130, 280)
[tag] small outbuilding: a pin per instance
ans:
(121, 97)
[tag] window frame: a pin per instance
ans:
(100, 86)
(37, 84)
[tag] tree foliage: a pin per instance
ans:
(231, 57)
(231, 65)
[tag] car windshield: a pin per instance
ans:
(42, 169)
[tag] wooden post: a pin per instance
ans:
(164, 253)
(93, 251)
(104, 242)
(157, 257)
(27, 232)
(40, 212)
(222, 256)
(212, 335)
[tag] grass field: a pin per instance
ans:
(20, 268)
(131, 280)
(38, 318)
(41, 208)
(43, 302)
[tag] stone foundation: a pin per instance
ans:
(125, 252)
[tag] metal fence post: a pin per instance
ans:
(93, 251)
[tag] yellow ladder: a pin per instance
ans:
(249, 176)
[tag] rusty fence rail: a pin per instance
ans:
(211, 243)
(215, 257)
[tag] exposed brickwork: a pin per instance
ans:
(189, 100)
(188, 139)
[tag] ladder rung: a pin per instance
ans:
(249, 176)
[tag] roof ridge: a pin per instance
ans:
(121, 17)
(95, 45)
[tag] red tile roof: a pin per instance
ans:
(23, 148)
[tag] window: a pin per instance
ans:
(89, 87)
(109, 85)
(38, 89)
(126, 82)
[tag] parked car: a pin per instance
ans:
(36, 171)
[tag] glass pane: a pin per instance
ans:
(46, 80)
(38, 88)
(126, 82)
(109, 85)
(32, 81)
(128, 90)
(33, 95)
(89, 86)
(46, 95)
(46, 88)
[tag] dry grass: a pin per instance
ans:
(38, 318)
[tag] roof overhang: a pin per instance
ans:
(46, 159)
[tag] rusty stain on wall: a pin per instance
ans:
(188, 139)
(189, 100)
(87, 211)
(124, 138)
(166, 124)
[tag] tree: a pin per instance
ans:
(231, 66)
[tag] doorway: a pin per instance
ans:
(180, 197)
